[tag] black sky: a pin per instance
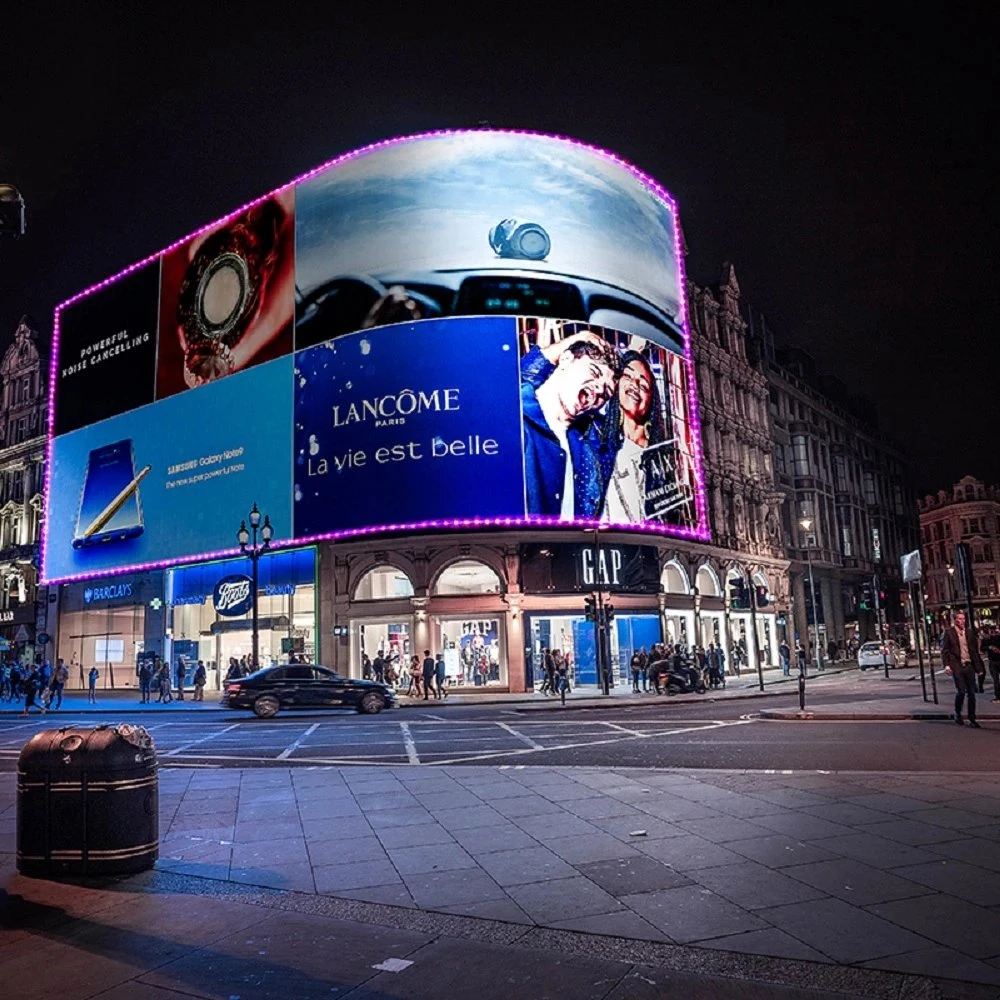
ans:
(839, 160)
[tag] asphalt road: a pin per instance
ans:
(702, 734)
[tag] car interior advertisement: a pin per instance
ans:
(484, 222)
(444, 330)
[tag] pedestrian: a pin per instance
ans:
(785, 654)
(145, 675)
(644, 668)
(181, 677)
(801, 658)
(366, 667)
(636, 667)
(200, 680)
(378, 668)
(562, 678)
(440, 676)
(30, 685)
(92, 686)
(163, 681)
(962, 659)
(415, 676)
(990, 648)
(832, 651)
(428, 672)
(59, 677)
(549, 666)
(233, 671)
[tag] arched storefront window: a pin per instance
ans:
(383, 583)
(708, 582)
(674, 580)
(467, 577)
(474, 644)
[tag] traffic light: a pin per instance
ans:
(867, 599)
(739, 595)
(609, 613)
(762, 597)
(590, 608)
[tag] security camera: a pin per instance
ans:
(11, 211)
(520, 240)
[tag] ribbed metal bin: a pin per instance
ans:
(87, 802)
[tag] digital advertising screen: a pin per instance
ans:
(449, 330)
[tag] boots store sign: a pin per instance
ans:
(233, 596)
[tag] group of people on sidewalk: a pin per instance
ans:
(666, 668)
(424, 678)
(154, 676)
(38, 685)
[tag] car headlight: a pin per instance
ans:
(520, 240)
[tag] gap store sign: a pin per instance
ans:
(427, 328)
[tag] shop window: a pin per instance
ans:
(383, 583)
(467, 577)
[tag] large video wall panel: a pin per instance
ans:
(452, 329)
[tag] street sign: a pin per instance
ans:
(21, 635)
(911, 566)
(44, 638)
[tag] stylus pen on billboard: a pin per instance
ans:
(116, 504)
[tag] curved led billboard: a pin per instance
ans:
(446, 330)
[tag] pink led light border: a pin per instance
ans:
(699, 533)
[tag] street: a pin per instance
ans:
(727, 733)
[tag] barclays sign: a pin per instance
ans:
(233, 596)
(111, 592)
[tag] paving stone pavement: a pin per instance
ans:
(859, 874)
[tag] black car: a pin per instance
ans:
(302, 685)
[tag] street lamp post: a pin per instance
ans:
(806, 525)
(600, 624)
(250, 547)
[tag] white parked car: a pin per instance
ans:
(876, 654)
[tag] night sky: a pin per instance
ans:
(841, 165)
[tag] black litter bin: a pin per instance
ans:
(87, 802)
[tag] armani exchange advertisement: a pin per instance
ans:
(439, 329)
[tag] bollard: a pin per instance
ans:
(802, 691)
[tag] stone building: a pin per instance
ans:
(969, 512)
(24, 400)
(850, 510)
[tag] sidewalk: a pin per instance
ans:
(631, 884)
(746, 686)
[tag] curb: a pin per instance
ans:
(929, 715)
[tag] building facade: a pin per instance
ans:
(491, 599)
(850, 509)
(969, 512)
(24, 401)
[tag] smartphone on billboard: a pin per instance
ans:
(110, 507)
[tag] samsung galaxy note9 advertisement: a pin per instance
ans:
(171, 479)
(443, 330)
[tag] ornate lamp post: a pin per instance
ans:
(806, 525)
(250, 547)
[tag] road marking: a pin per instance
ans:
(631, 732)
(524, 739)
(292, 747)
(411, 747)
(204, 739)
